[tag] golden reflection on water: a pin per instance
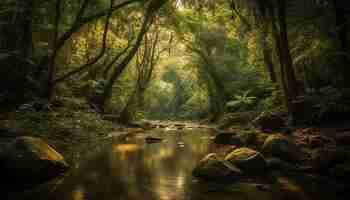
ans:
(78, 194)
(162, 169)
(138, 171)
(124, 149)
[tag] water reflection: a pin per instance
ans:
(135, 170)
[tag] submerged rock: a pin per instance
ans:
(28, 161)
(212, 168)
(281, 147)
(248, 160)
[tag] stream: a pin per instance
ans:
(129, 168)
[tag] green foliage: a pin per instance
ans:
(272, 102)
(241, 102)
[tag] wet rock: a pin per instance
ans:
(269, 121)
(213, 168)
(248, 160)
(153, 139)
(228, 138)
(281, 147)
(28, 161)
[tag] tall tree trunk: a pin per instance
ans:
(288, 79)
(287, 58)
(267, 53)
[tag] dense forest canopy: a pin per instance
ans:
(175, 99)
(183, 59)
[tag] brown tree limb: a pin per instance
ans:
(97, 58)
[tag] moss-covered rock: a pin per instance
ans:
(248, 160)
(213, 168)
(281, 147)
(28, 161)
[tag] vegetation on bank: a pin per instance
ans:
(68, 65)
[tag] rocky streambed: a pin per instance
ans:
(190, 161)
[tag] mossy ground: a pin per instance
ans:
(70, 127)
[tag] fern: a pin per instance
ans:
(241, 102)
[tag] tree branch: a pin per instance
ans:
(97, 58)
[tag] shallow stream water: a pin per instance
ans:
(131, 169)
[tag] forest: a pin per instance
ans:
(175, 99)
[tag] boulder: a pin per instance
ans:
(28, 161)
(269, 121)
(228, 139)
(248, 160)
(213, 168)
(281, 147)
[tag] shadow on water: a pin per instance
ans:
(130, 169)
